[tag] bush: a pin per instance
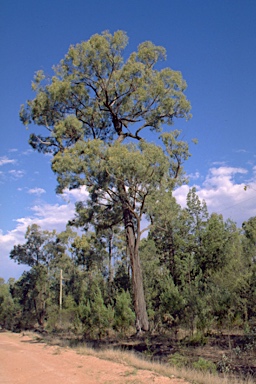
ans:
(124, 316)
(205, 365)
(224, 365)
(196, 340)
(178, 360)
(97, 318)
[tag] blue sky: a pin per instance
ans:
(213, 44)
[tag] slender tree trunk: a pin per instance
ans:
(110, 269)
(40, 311)
(137, 280)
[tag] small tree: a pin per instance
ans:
(97, 318)
(31, 292)
(124, 316)
(8, 308)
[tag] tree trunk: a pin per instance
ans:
(137, 281)
(110, 269)
(40, 311)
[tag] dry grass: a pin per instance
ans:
(130, 359)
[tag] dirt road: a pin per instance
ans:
(26, 361)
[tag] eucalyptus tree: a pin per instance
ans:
(40, 252)
(97, 110)
(33, 252)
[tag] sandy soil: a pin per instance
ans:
(25, 361)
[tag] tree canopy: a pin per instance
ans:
(96, 94)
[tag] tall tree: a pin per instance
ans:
(93, 103)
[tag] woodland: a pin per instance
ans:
(133, 268)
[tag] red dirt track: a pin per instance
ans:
(26, 361)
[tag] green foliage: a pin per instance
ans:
(124, 316)
(31, 292)
(88, 251)
(39, 248)
(65, 318)
(195, 340)
(122, 279)
(53, 318)
(8, 308)
(204, 365)
(171, 300)
(96, 317)
(178, 360)
(102, 94)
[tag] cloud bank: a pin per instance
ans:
(226, 190)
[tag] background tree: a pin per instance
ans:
(248, 267)
(89, 107)
(9, 310)
(33, 288)
(32, 253)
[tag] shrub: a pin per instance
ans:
(204, 365)
(97, 318)
(124, 316)
(196, 340)
(178, 360)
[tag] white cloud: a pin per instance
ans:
(17, 174)
(219, 163)
(7, 267)
(28, 152)
(53, 216)
(194, 176)
(223, 194)
(36, 191)
(241, 151)
(5, 160)
(75, 194)
(181, 194)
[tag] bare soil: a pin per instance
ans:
(24, 360)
